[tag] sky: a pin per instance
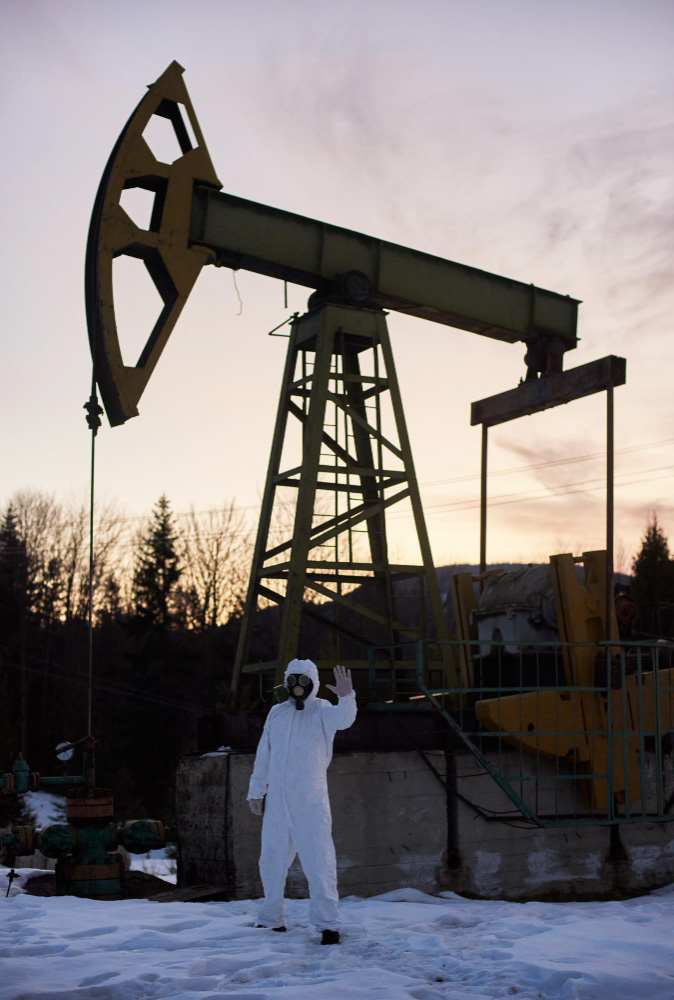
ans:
(534, 140)
(402, 945)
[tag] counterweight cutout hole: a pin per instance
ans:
(188, 126)
(138, 203)
(160, 135)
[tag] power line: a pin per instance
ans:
(116, 521)
(561, 486)
(551, 463)
(473, 505)
(118, 689)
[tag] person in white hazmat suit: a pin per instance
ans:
(290, 769)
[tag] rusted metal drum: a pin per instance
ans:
(100, 881)
(97, 805)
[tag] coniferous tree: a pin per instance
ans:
(13, 573)
(157, 569)
(13, 609)
(653, 570)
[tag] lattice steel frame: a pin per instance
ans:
(364, 471)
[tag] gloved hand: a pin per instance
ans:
(256, 806)
(343, 683)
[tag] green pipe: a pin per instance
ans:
(63, 779)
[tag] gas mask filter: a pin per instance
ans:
(299, 687)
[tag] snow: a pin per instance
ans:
(156, 863)
(220, 752)
(403, 945)
(46, 807)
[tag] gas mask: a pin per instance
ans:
(299, 687)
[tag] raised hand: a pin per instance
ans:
(343, 683)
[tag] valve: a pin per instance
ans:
(84, 846)
(21, 774)
(57, 840)
(21, 841)
(142, 835)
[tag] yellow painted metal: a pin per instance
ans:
(576, 725)
(464, 601)
(579, 724)
(164, 248)
(581, 611)
(543, 722)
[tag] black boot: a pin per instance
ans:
(330, 937)
(264, 928)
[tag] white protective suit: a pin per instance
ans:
(290, 767)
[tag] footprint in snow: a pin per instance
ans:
(29, 951)
(95, 980)
(91, 932)
(183, 925)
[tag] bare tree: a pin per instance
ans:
(216, 553)
(56, 537)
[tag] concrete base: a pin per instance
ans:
(389, 823)
(397, 824)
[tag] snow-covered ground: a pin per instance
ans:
(403, 945)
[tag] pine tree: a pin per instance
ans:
(13, 573)
(158, 569)
(653, 571)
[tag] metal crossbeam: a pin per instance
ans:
(245, 234)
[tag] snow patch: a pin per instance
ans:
(487, 864)
(46, 807)
(644, 858)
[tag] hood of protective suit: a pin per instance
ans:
(307, 667)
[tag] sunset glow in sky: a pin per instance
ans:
(535, 140)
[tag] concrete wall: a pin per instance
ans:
(395, 825)
(389, 823)
(501, 856)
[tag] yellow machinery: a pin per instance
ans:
(594, 704)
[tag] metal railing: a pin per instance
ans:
(573, 733)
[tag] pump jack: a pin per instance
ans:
(356, 279)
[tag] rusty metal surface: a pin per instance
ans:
(163, 248)
(549, 390)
